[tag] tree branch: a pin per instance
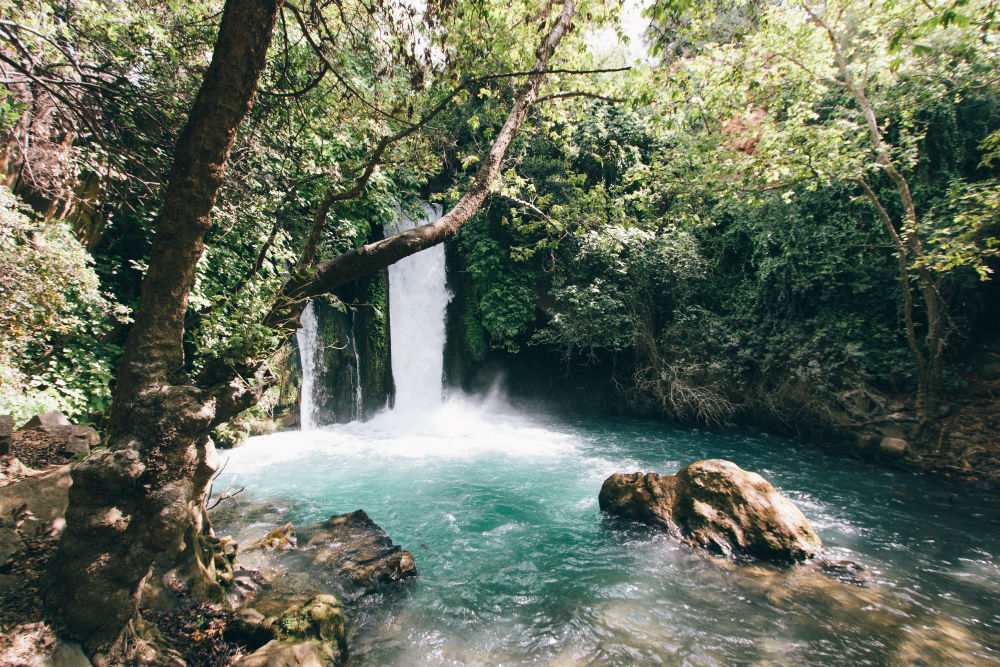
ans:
(344, 268)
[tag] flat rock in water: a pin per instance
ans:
(716, 505)
(357, 551)
(349, 554)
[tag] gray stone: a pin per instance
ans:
(718, 506)
(6, 429)
(79, 439)
(894, 447)
(47, 421)
(40, 500)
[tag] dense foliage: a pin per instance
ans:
(717, 240)
(701, 219)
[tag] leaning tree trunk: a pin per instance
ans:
(143, 499)
(144, 496)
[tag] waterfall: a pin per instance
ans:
(417, 301)
(358, 404)
(310, 355)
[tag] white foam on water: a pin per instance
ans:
(456, 429)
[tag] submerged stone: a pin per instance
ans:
(716, 505)
(894, 447)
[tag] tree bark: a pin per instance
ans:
(144, 496)
(142, 500)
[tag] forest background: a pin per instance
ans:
(782, 214)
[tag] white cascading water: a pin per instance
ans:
(310, 354)
(417, 301)
(358, 398)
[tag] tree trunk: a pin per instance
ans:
(144, 496)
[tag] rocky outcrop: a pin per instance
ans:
(716, 505)
(349, 553)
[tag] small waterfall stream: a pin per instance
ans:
(310, 355)
(417, 301)
(358, 397)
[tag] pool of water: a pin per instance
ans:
(518, 567)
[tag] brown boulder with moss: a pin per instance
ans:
(716, 505)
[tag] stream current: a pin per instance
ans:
(518, 567)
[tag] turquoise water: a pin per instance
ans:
(518, 567)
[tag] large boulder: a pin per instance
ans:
(716, 505)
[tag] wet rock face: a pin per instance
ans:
(716, 505)
(282, 537)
